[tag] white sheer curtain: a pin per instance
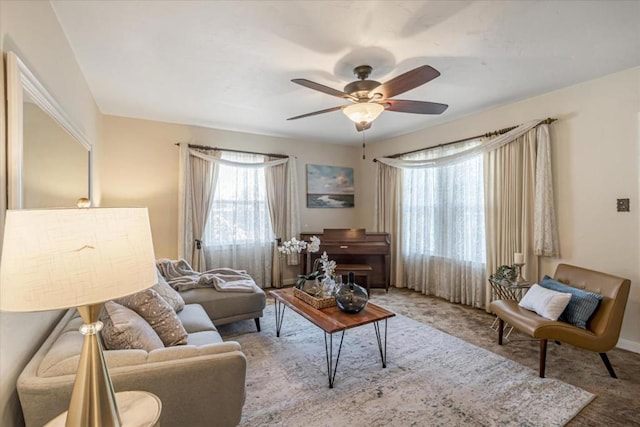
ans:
(443, 241)
(546, 241)
(239, 233)
(459, 156)
(518, 201)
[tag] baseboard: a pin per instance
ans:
(289, 282)
(629, 345)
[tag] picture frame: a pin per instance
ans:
(330, 186)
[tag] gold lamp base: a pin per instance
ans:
(93, 401)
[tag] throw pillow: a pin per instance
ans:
(545, 302)
(159, 314)
(582, 305)
(169, 294)
(125, 329)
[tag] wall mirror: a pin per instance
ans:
(49, 158)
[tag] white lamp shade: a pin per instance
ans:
(363, 112)
(60, 258)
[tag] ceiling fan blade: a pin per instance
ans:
(328, 110)
(407, 81)
(415, 107)
(322, 88)
(363, 126)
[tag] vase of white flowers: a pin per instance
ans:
(295, 246)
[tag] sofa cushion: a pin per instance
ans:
(159, 314)
(184, 351)
(169, 294)
(204, 338)
(545, 302)
(582, 304)
(125, 329)
(195, 319)
(63, 355)
(223, 305)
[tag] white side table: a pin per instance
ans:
(136, 408)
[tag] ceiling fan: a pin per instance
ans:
(370, 98)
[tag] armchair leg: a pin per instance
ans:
(500, 330)
(605, 359)
(543, 356)
(257, 320)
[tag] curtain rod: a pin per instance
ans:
(547, 121)
(206, 147)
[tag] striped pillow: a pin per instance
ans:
(582, 305)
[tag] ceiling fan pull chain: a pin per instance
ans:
(363, 145)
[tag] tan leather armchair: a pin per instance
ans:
(603, 330)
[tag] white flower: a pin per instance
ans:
(314, 244)
(329, 267)
(297, 246)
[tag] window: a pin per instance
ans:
(443, 207)
(239, 214)
(239, 233)
(443, 237)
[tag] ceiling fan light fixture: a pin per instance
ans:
(363, 112)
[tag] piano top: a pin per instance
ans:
(348, 235)
(344, 234)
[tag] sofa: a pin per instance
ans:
(201, 383)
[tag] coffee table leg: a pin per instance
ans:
(383, 350)
(328, 348)
(279, 316)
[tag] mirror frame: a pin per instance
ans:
(21, 80)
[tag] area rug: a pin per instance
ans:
(431, 379)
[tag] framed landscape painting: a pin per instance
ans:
(329, 187)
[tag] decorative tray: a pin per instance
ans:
(315, 302)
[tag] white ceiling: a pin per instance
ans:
(228, 64)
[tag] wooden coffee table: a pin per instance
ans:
(333, 320)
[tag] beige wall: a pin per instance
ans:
(596, 157)
(140, 164)
(31, 30)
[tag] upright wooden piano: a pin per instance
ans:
(354, 246)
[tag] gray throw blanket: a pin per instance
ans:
(182, 277)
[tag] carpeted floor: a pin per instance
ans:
(617, 402)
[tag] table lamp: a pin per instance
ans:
(62, 258)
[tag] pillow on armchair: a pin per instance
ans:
(545, 302)
(582, 304)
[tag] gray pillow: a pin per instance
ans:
(582, 305)
(159, 314)
(169, 294)
(124, 329)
